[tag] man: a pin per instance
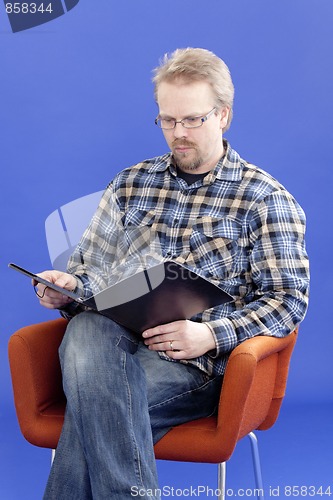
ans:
(214, 213)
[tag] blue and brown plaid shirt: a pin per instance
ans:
(238, 227)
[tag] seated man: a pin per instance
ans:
(214, 213)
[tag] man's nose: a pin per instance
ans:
(179, 131)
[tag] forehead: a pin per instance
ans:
(179, 99)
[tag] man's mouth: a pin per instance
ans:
(182, 148)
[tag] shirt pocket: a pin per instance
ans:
(138, 229)
(214, 245)
(137, 218)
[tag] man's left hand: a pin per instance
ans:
(183, 339)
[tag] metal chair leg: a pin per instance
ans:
(256, 465)
(222, 470)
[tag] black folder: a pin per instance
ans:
(163, 293)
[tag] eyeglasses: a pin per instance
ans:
(190, 122)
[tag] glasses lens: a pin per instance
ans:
(166, 124)
(192, 122)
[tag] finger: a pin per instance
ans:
(170, 345)
(43, 292)
(66, 281)
(47, 304)
(155, 332)
(158, 339)
(161, 329)
(177, 354)
(54, 304)
(158, 346)
(40, 291)
(50, 298)
(59, 278)
(56, 298)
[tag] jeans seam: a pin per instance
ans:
(136, 457)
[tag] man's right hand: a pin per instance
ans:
(50, 298)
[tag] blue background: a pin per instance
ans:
(76, 106)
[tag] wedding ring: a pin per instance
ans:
(171, 346)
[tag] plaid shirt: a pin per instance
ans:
(238, 227)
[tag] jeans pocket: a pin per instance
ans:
(128, 345)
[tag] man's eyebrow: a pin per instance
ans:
(165, 116)
(168, 117)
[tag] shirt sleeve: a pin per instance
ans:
(280, 276)
(95, 257)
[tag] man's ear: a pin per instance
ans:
(224, 116)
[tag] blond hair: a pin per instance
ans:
(194, 64)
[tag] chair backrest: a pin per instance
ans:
(65, 226)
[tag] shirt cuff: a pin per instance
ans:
(73, 308)
(224, 335)
(79, 290)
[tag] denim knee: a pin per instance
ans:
(77, 340)
(92, 345)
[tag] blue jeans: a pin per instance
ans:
(121, 399)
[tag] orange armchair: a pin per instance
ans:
(251, 396)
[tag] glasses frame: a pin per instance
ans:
(203, 119)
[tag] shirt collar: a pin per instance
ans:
(228, 168)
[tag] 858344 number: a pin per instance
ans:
(307, 491)
(28, 8)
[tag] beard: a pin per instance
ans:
(187, 161)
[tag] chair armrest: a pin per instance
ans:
(254, 385)
(255, 377)
(36, 373)
(262, 346)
